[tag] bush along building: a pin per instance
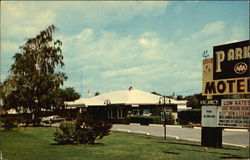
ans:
(120, 106)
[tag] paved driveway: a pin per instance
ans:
(230, 137)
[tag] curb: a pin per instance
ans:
(236, 130)
(134, 124)
(229, 129)
(236, 145)
(160, 125)
(171, 136)
(141, 132)
(228, 144)
(192, 140)
(174, 126)
(121, 130)
(155, 125)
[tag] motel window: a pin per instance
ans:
(141, 111)
(146, 112)
(110, 113)
(120, 113)
(135, 111)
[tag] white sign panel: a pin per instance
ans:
(209, 116)
(162, 116)
(234, 113)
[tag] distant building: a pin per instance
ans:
(117, 106)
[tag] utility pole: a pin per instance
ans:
(81, 80)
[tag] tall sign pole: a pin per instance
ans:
(211, 136)
(165, 128)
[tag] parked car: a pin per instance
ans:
(52, 119)
(56, 119)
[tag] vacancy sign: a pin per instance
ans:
(234, 113)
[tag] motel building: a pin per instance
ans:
(117, 106)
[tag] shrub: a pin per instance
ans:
(8, 123)
(92, 130)
(72, 132)
(66, 132)
(156, 119)
(170, 119)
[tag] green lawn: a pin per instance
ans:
(38, 144)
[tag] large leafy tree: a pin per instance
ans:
(69, 94)
(62, 95)
(35, 77)
(59, 96)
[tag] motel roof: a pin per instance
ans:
(125, 97)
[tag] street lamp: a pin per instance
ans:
(162, 100)
(107, 102)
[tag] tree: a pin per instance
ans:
(194, 100)
(179, 97)
(1, 90)
(69, 94)
(97, 93)
(1, 95)
(35, 76)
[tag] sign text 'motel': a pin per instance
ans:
(229, 86)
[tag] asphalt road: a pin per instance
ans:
(229, 137)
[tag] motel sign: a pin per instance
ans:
(228, 72)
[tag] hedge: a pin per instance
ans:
(146, 120)
(193, 116)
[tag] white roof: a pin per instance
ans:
(12, 111)
(129, 97)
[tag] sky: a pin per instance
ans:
(107, 46)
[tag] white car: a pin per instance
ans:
(51, 119)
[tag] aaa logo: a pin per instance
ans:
(240, 68)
